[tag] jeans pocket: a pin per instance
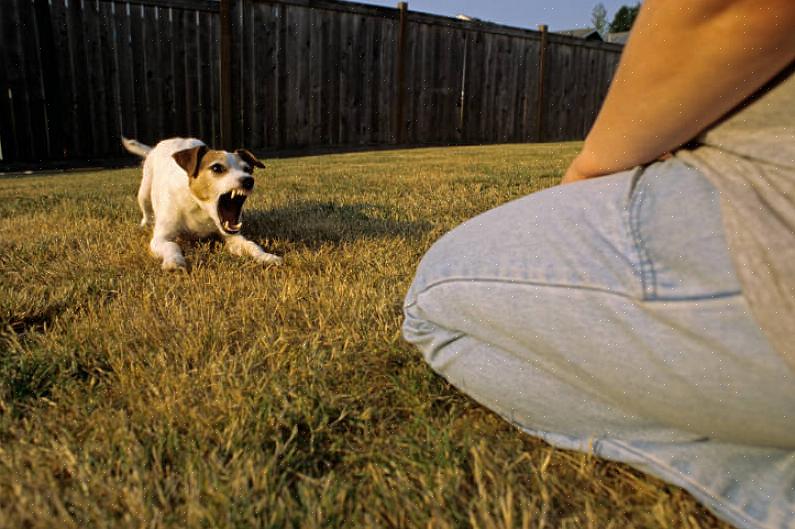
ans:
(676, 227)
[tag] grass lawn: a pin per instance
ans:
(242, 396)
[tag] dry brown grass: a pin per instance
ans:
(239, 396)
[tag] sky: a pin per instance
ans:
(558, 15)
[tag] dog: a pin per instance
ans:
(187, 189)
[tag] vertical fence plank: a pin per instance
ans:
(178, 58)
(282, 77)
(321, 78)
(126, 71)
(370, 53)
(410, 73)
(335, 79)
(530, 93)
(453, 52)
(34, 81)
(203, 115)
(8, 147)
(51, 80)
(246, 80)
(434, 131)
(165, 59)
(303, 123)
(208, 115)
(21, 94)
(472, 100)
(500, 88)
(518, 91)
(357, 74)
(154, 74)
(400, 100)
(190, 64)
(142, 93)
(110, 64)
(498, 80)
(490, 81)
(542, 54)
(212, 28)
(268, 90)
(94, 53)
(227, 111)
(257, 76)
(14, 136)
(291, 94)
(461, 94)
(388, 81)
(317, 37)
(345, 62)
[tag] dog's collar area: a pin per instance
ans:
(230, 209)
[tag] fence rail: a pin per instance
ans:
(277, 74)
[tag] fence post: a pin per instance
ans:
(400, 128)
(226, 73)
(540, 98)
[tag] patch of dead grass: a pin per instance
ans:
(239, 396)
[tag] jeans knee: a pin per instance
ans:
(431, 338)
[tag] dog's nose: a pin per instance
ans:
(247, 183)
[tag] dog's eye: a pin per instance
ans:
(217, 168)
(245, 168)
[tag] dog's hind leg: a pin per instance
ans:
(145, 196)
(239, 245)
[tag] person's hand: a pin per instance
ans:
(578, 170)
(572, 174)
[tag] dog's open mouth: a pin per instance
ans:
(230, 207)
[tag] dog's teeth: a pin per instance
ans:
(238, 226)
(234, 193)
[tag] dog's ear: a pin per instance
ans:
(190, 159)
(250, 158)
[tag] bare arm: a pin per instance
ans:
(686, 64)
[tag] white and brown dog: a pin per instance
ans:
(188, 189)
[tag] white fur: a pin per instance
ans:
(167, 202)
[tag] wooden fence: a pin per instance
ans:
(280, 74)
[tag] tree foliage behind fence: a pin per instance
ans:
(280, 74)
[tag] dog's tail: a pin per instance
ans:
(135, 147)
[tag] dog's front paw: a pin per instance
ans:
(175, 265)
(269, 259)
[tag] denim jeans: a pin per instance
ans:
(606, 316)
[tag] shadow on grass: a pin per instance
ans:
(314, 223)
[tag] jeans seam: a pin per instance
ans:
(647, 272)
(440, 282)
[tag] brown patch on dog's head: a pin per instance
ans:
(246, 156)
(213, 165)
(191, 159)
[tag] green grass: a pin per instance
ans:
(242, 396)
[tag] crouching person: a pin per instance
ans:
(644, 310)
